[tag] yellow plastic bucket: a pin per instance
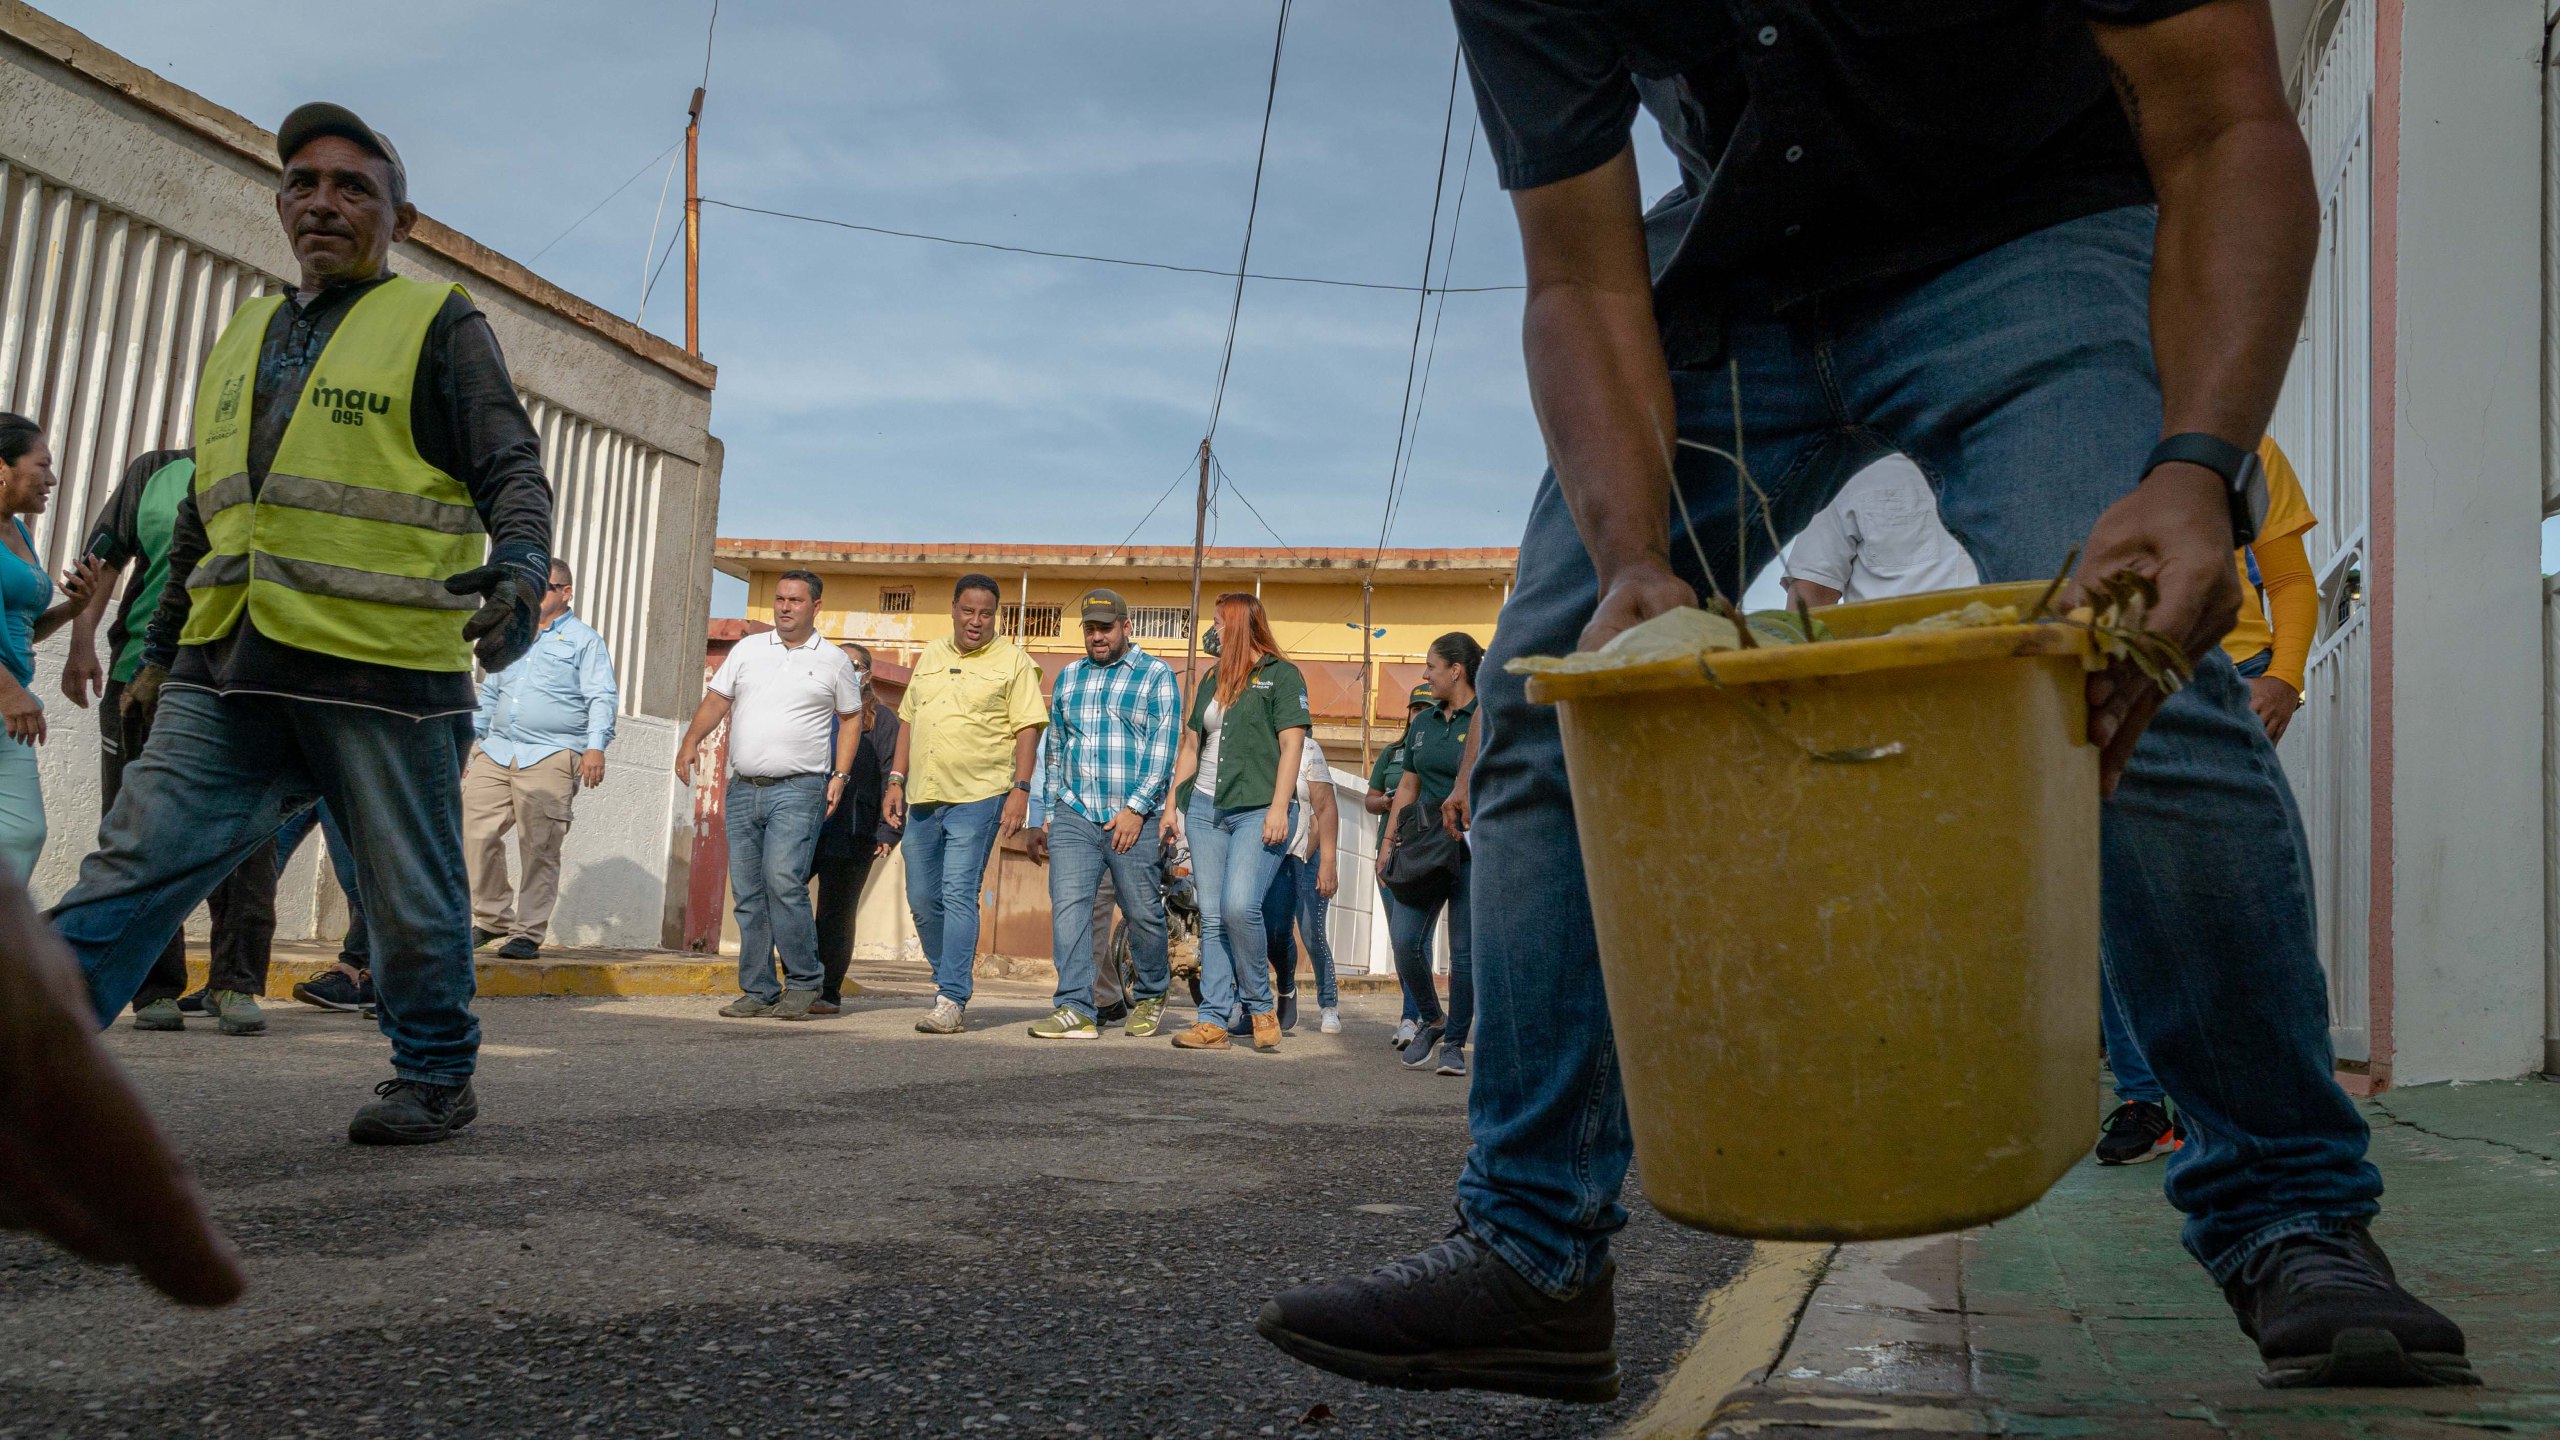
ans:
(1853, 999)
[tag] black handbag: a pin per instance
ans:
(1424, 865)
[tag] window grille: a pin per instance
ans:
(1160, 622)
(897, 599)
(1026, 622)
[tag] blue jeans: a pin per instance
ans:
(1409, 929)
(22, 827)
(1292, 912)
(356, 950)
(1079, 851)
(1388, 905)
(2021, 383)
(773, 834)
(947, 848)
(1234, 870)
(217, 781)
(2134, 1080)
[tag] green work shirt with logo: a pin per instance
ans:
(1273, 700)
(1435, 745)
(1384, 775)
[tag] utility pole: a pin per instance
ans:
(693, 227)
(1368, 674)
(1199, 550)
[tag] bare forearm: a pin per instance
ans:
(706, 717)
(1026, 748)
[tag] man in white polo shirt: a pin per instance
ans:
(794, 706)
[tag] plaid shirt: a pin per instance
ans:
(1112, 732)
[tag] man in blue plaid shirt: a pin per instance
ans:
(1115, 717)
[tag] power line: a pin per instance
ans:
(1448, 262)
(1178, 477)
(607, 200)
(1413, 353)
(707, 32)
(652, 287)
(1227, 482)
(648, 277)
(1095, 259)
(1252, 208)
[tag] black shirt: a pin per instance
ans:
(1822, 143)
(467, 422)
(856, 826)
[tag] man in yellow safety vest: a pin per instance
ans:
(368, 516)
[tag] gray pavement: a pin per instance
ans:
(666, 1223)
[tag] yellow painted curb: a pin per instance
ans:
(516, 978)
(1743, 1329)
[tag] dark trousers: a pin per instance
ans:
(839, 895)
(244, 905)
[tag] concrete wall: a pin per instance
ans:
(134, 214)
(2463, 526)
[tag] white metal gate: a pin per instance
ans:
(2324, 424)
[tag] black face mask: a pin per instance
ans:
(1209, 642)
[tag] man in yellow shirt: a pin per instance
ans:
(2270, 645)
(961, 781)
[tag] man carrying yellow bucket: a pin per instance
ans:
(2057, 254)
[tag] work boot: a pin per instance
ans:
(2325, 1309)
(2138, 1130)
(1206, 1035)
(947, 1017)
(796, 1005)
(1067, 1023)
(414, 1112)
(1425, 1046)
(335, 989)
(235, 1013)
(161, 1014)
(1454, 1317)
(747, 1007)
(1266, 1031)
(1144, 1018)
(523, 947)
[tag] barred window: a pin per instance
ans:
(897, 599)
(1024, 622)
(1160, 622)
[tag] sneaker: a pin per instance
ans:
(1266, 1031)
(1288, 1012)
(1454, 1317)
(1068, 1023)
(747, 1007)
(944, 1018)
(161, 1014)
(413, 1112)
(520, 948)
(235, 1013)
(1405, 1031)
(480, 937)
(1144, 1018)
(824, 1006)
(2139, 1130)
(1242, 1027)
(1331, 1023)
(1112, 1014)
(194, 1004)
(1425, 1047)
(795, 1005)
(1207, 1035)
(335, 989)
(2325, 1309)
(1453, 1061)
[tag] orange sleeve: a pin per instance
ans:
(2293, 604)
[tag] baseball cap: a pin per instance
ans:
(1103, 605)
(1420, 697)
(310, 121)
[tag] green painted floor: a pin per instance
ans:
(2086, 1318)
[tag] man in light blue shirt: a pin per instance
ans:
(543, 726)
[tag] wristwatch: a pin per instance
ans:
(2244, 478)
(1022, 785)
(839, 774)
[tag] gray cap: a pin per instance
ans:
(309, 122)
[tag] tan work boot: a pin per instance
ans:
(1266, 1031)
(1203, 1036)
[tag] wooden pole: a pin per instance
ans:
(1199, 551)
(1368, 672)
(693, 227)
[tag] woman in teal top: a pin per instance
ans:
(1235, 800)
(26, 617)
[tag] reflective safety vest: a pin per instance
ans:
(345, 547)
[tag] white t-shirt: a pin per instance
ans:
(1881, 537)
(783, 704)
(1213, 720)
(1312, 771)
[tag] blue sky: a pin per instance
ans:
(886, 389)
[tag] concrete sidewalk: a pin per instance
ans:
(2083, 1316)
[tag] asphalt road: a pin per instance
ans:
(666, 1223)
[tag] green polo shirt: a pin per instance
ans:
(1384, 775)
(1435, 744)
(1275, 699)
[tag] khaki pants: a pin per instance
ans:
(532, 800)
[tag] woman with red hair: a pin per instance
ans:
(1234, 799)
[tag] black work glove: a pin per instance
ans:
(510, 589)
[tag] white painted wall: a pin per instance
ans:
(2465, 574)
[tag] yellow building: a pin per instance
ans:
(896, 597)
